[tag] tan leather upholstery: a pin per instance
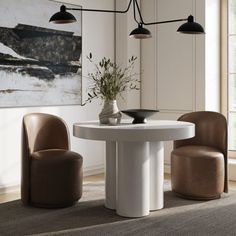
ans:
(199, 165)
(51, 174)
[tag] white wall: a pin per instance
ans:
(181, 73)
(98, 38)
(212, 54)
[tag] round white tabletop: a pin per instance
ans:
(154, 130)
(134, 170)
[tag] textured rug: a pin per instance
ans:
(90, 218)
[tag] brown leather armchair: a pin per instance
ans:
(51, 175)
(199, 165)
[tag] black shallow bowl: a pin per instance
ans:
(139, 115)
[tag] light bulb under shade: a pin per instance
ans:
(140, 33)
(62, 17)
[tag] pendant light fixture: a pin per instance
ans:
(63, 17)
(190, 27)
(140, 33)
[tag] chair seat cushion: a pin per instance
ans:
(195, 151)
(54, 155)
(197, 171)
(55, 177)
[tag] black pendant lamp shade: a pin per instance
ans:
(140, 33)
(191, 27)
(62, 17)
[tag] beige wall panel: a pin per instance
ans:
(175, 58)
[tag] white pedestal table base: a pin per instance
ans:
(134, 177)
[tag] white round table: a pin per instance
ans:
(134, 173)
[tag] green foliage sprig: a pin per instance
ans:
(109, 79)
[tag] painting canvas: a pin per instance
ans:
(40, 62)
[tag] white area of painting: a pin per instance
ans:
(22, 90)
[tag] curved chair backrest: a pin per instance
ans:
(210, 130)
(45, 131)
(39, 132)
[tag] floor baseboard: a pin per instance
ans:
(232, 169)
(9, 189)
(94, 170)
(167, 168)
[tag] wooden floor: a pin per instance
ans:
(89, 179)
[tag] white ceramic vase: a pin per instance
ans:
(110, 113)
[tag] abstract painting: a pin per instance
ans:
(40, 62)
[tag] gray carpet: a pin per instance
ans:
(89, 218)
